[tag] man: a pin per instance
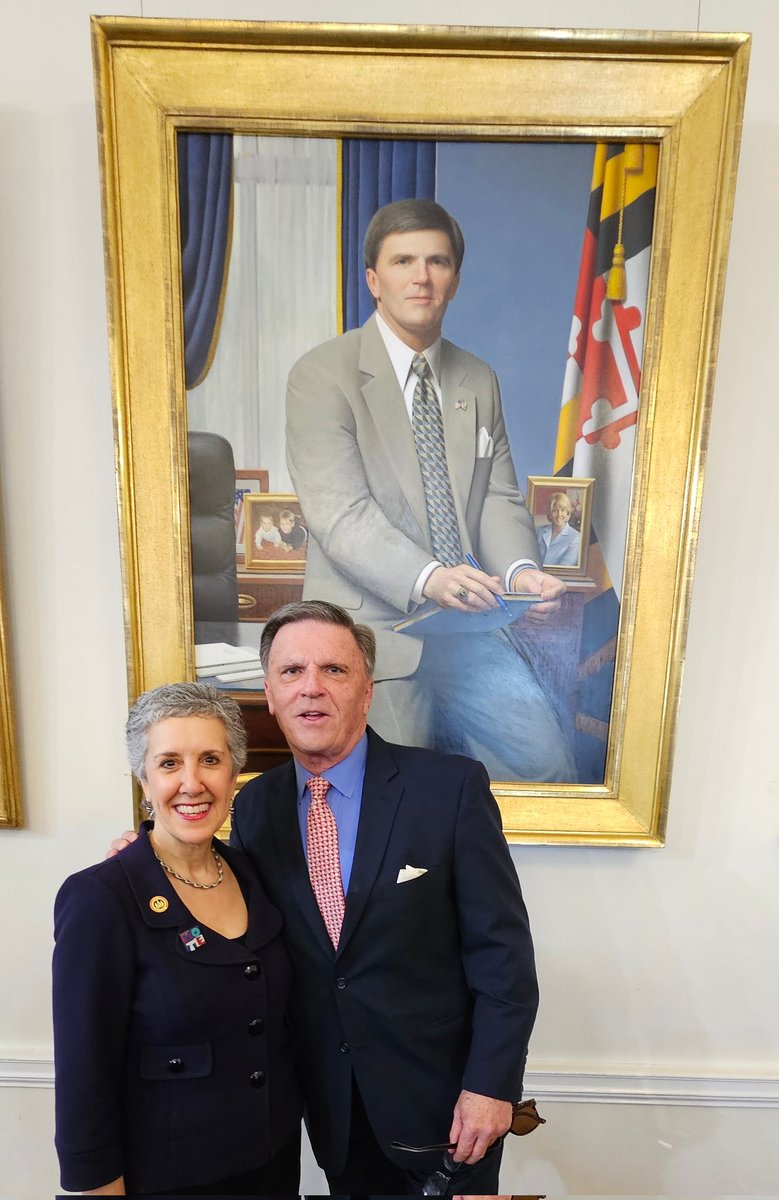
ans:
(398, 452)
(414, 998)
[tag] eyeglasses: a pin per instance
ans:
(439, 1183)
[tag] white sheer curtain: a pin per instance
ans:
(281, 296)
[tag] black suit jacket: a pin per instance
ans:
(155, 1045)
(433, 986)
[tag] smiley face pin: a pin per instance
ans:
(158, 904)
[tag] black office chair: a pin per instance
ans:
(211, 506)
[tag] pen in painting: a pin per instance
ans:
(473, 563)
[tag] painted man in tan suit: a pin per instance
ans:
(352, 451)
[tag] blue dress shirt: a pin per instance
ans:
(344, 797)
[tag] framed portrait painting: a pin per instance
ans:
(592, 176)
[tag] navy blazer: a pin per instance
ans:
(433, 986)
(172, 1065)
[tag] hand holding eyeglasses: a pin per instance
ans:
(478, 1122)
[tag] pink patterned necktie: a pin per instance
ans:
(324, 864)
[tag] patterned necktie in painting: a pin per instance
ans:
(324, 864)
(429, 437)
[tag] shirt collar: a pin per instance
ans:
(402, 356)
(346, 776)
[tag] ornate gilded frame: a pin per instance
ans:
(10, 799)
(684, 91)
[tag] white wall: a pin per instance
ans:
(658, 968)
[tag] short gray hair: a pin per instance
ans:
(408, 216)
(182, 700)
(327, 614)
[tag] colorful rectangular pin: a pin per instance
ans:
(192, 938)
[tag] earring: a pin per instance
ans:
(146, 805)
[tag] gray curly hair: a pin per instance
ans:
(182, 700)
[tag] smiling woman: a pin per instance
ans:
(141, 1031)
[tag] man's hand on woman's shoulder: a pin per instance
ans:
(121, 843)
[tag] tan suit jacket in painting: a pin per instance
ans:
(354, 466)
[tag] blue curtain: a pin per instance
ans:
(205, 193)
(376, 173)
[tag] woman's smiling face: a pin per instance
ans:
(560, 513)
(189, 779)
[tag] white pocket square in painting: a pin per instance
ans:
(485, 447)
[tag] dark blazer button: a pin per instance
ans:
(252, 971)
(175, 1065)
(344, 1047)
(341, 983)
(257, 1079)
(256, 1026)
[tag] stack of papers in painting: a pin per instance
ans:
(228, 663)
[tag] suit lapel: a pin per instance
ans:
(388, 409)
(381, 794)
(286, 831)
(459, 416)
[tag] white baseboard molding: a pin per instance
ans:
(632, 1085)
(617, 1086)
(26, 1072)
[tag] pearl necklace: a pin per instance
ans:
(190, 882)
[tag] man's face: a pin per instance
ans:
(319, 691)
(412, 284)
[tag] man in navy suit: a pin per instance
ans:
(411, 1017)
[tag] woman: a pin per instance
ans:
(170, 984)
(558, 543)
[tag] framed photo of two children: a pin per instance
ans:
(591, 175)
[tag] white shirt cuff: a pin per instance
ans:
(417, 592)
(520, 565)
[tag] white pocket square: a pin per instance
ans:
(406, 873)
(485, 447)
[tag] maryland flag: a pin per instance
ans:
(599, 410)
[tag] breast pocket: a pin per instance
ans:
(411, 891)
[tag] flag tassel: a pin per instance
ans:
(617, 288)
(617, 283)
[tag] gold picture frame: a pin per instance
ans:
(270, 557)
(684, 92)
(540, 489)
(10, 798)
